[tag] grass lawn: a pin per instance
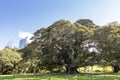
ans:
(62, 77)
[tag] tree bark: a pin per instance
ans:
(116, 68)
(71, 70)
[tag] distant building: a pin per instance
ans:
(22, 43)
(9, 45)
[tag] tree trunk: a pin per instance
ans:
(71, 70)
(116, 68)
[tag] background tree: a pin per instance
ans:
(9, 58)
(31, 58)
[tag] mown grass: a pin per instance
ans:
(62, 77)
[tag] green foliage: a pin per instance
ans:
(61, 44)
(68, 44)
(108, 44)
(86, 22)
(65, 46)
(9, 58)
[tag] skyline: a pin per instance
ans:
(27, 16)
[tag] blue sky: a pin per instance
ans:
(30, 15)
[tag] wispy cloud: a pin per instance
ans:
(23, 35)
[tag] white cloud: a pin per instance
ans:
(23, 35)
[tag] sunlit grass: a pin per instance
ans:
(62, 77)
(95, 73)
(96, 69)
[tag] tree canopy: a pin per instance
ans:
(71, 45)
(9, 58)
(108, 43)
(64, 43)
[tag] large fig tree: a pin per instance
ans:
(63, 44)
